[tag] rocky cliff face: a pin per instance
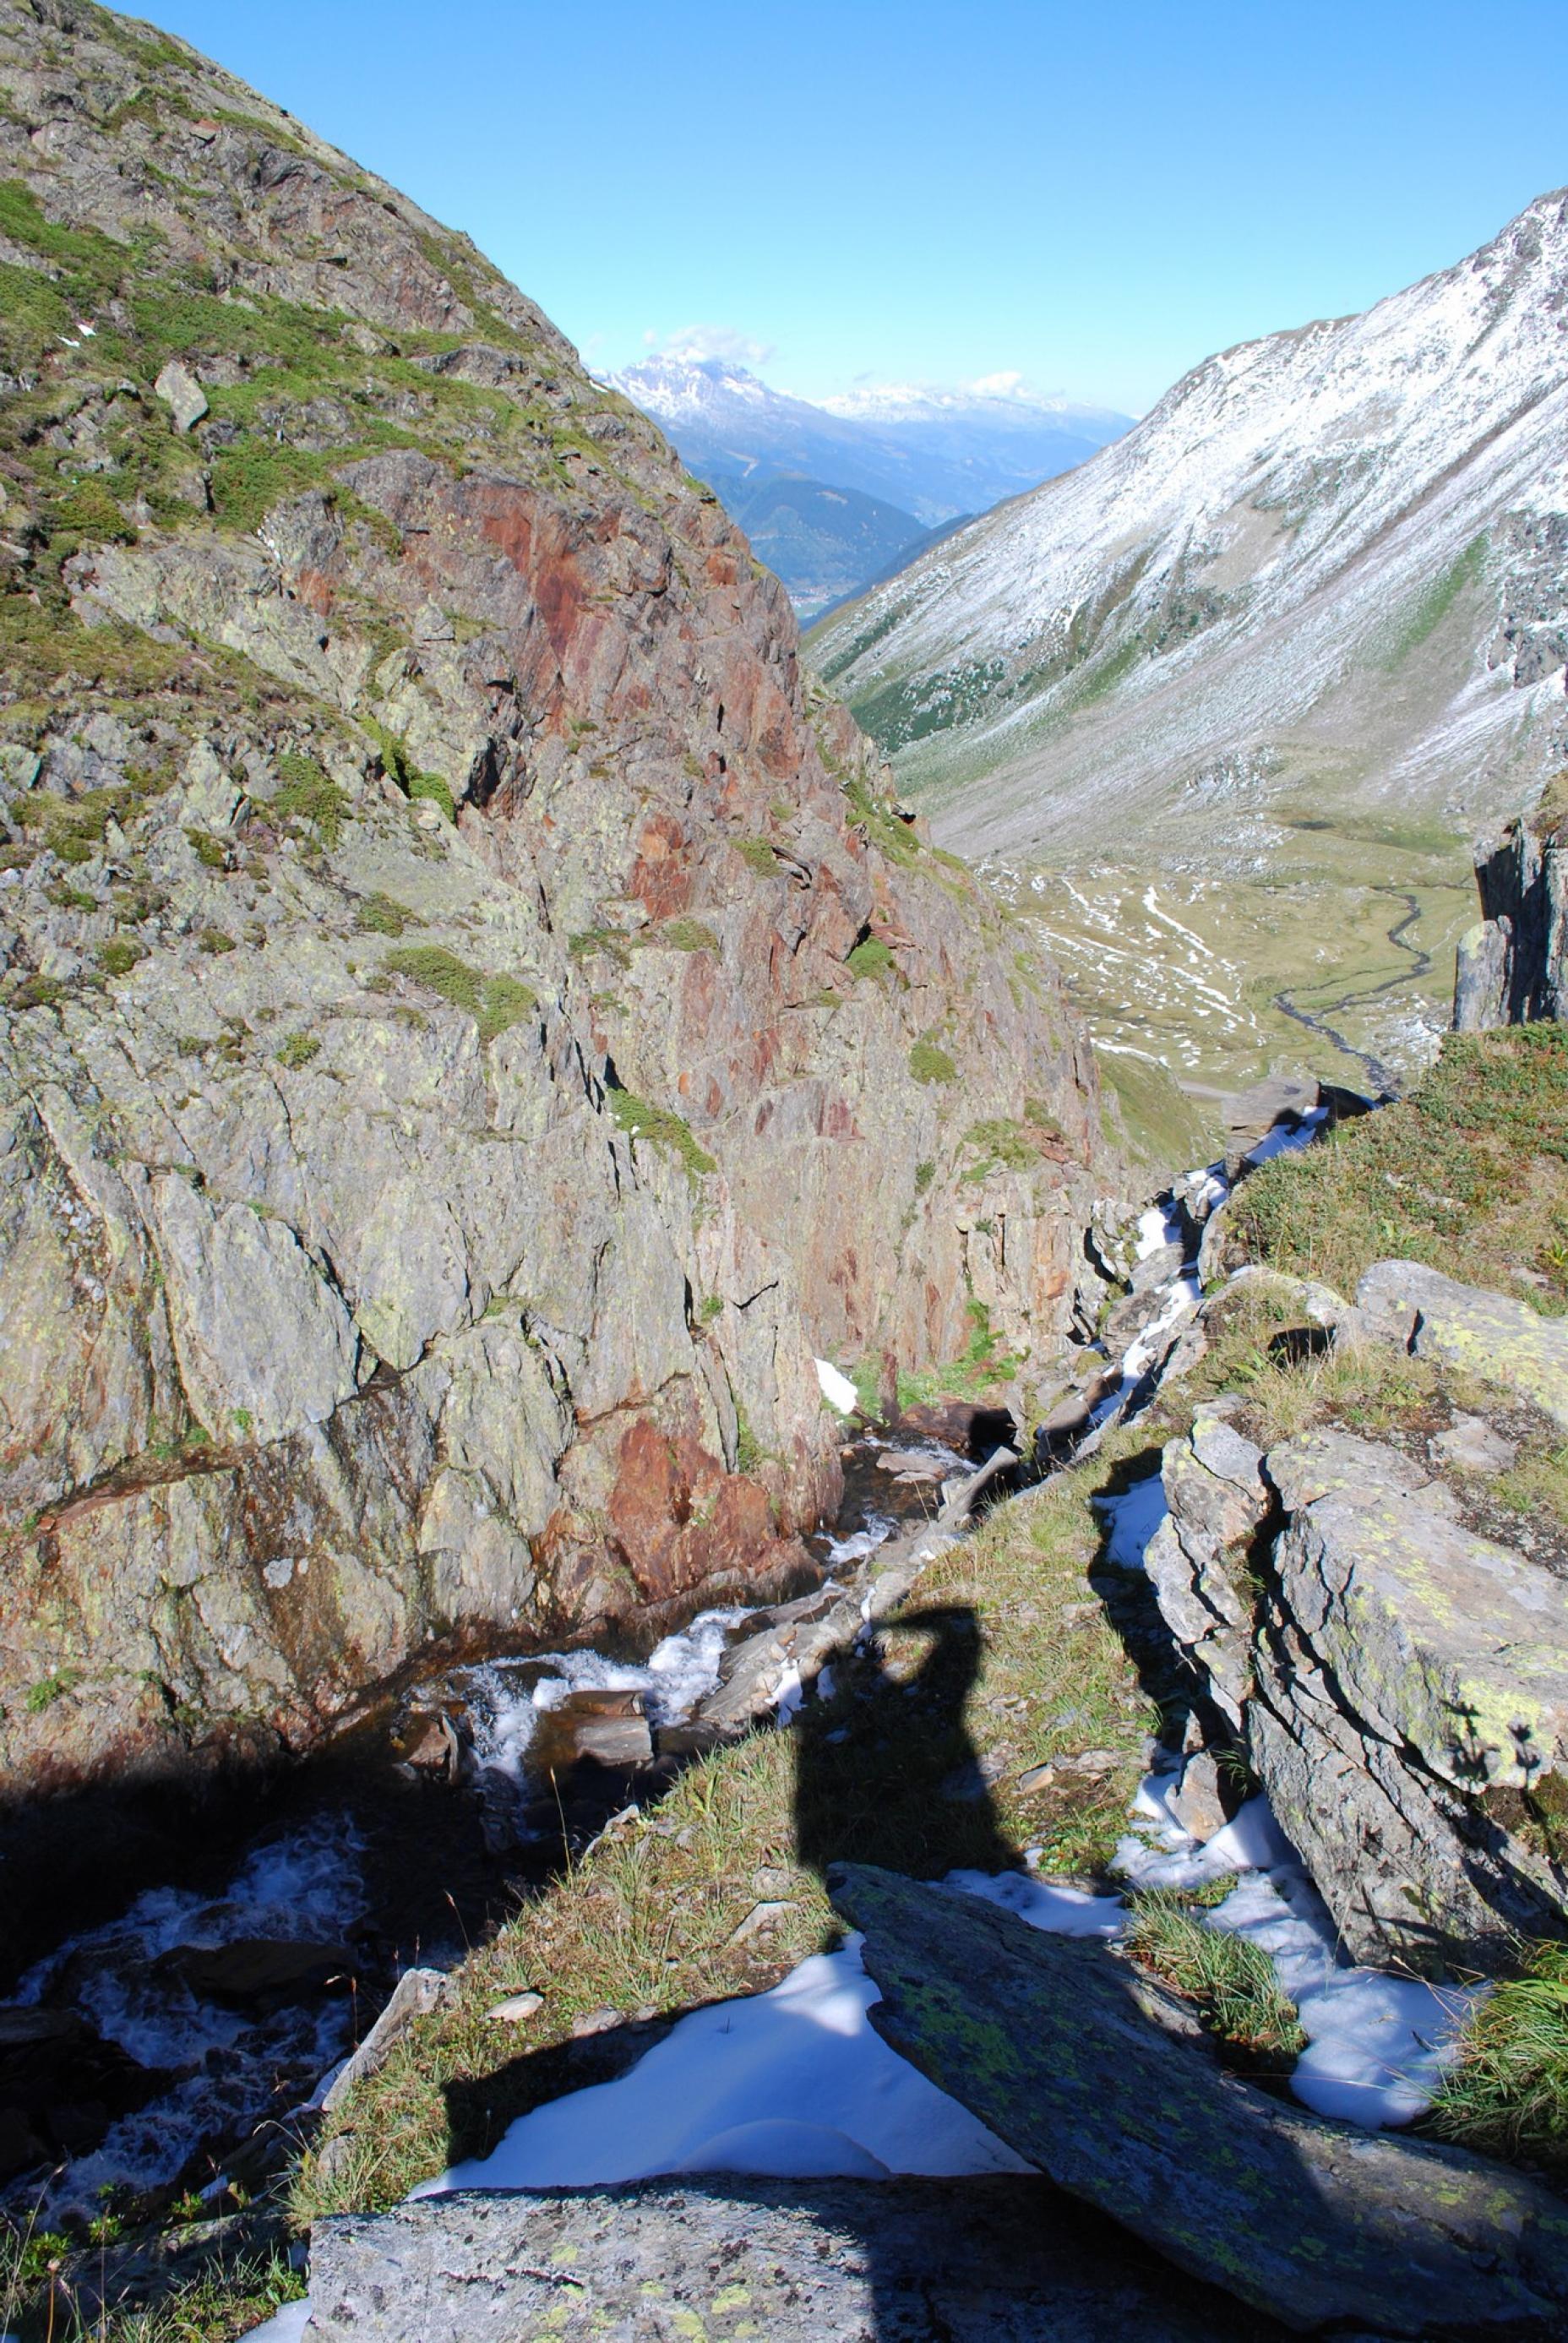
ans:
(1512, 966)
(475, 1021)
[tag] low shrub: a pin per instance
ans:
(297, 1051)
(929, 1064)
(493, 1002)
(307, 795)
(639, 1119)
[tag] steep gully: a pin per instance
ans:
(239, 1980)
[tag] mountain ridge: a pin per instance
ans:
(1055, 604)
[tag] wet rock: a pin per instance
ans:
(1085, 2068)
(1464, 1326)
(857, 2261)
(61, 2085)
(260, 1972)
(603, 1728)
(432, 1747)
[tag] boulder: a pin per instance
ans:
(417, 1993)
(259, 1972)
(1085, 2068)
(1486, 1335)
(1401, 1682)
(793, 2261)
(1404, 1669)
(1513, 966)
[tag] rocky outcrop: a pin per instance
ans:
(1049, 2040)
(1465, 1327)
(475, 1022)
(1399, 1681)
(1512, 966)
(965, 2261)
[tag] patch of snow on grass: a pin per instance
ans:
(837, 1388)
(794, 2083)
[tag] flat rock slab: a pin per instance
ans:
(1467, 1327)
(778, 2261)
(1049, 2041)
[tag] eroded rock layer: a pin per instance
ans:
(475, 1022)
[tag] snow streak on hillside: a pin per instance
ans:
(1329, 567)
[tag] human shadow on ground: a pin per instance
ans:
(887, 1772)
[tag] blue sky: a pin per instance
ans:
(1092, 198)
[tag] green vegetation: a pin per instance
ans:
(929, 1064)
(496, 1003)
(120, 955)
(298, 1049)
(688, 936)
(49, 1689)
(978, 1368)
(638, 1120)
(1470, 1170)
(215, 941)
(307, 795)
(218, 2305)
(1506, 2093)
(870, 957)
(883, 827)
(610, 942)
(758, 855)
(208, 851)
(1433, 607)
(924, 1174)
(1231, 1980)
(382, 915)
(1000, 1144)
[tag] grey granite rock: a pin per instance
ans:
(827, 2261)
(1052, 2042)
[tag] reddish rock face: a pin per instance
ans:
(413, 1233)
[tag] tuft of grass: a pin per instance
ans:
(120, 955)
(298, 1049)
(688, 936)
(981, 1365)
(1231, 1980)
(493, 1002)
(382, 915)
(758, 855)
(1472, 1169)
(929, 1064)
(208, 851)
(43, 1695)
(870, 957)
(214, 941)
(1506, 2092)
(639, 1119)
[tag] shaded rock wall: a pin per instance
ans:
(475, 1022)
(1512, 966)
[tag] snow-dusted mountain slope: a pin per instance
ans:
(1328, 571)
(935, 454)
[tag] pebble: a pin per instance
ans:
(597, 2021)
(516, 2007)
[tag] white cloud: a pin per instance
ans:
(997, 386)
(695, 342)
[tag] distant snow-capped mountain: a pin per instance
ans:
(1329, 568)
(931, 454)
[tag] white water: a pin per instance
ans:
(227, 2062)
(506, 1698)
